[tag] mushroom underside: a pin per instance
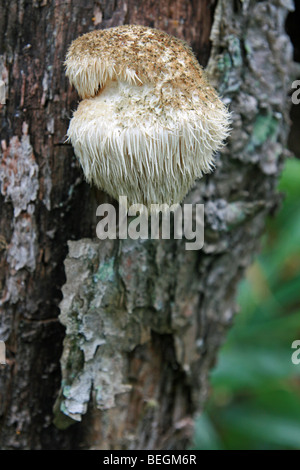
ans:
(129, 143)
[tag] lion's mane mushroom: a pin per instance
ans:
(150, 122)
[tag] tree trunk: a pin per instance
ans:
(143, 319)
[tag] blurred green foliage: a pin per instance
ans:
(255, 397)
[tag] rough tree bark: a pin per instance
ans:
(143, 319)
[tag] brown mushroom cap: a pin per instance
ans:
(150, 121)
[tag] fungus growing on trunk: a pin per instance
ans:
(149, 122)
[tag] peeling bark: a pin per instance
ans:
(143, 320)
